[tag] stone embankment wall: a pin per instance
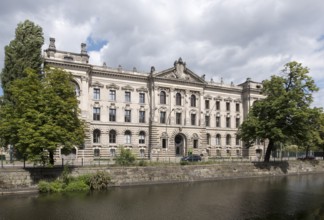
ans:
(19, 178)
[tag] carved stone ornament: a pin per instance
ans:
(112, 86)
(142, 89)
(128, 87)
(97, 84)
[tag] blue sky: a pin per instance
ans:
(229, 39)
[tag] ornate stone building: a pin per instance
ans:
(158, 114)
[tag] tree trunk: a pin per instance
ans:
(51, 157)
(269, 149)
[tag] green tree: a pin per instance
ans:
(25, 51)
(284, 115)
(42, 115)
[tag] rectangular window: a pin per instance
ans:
(127, 115)
(218, 122)
(195, 144)
(237, 107)
(237, 141)
(237, 122)
(112, 114)
(127, 97)
(228, 122)
(96, 114)
(218, 153)
(164, 143)
(178, 118)
(217, 105)
(228, 106)
(207, 104)
(141, 116)
(162, 117)
(113, 152)
(207, 121)
(193, 119)
(96, 152)
(142, 98)
(112, 95)
(96, 94)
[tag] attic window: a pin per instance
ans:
(68, 58)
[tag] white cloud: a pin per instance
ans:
(232, 39)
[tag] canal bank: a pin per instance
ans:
(19, 179)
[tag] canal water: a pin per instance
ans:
(292, 197)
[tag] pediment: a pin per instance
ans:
(128, 87)
(112, 86)
(97, 84)
(181, 73)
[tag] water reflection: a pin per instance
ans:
(291, 197)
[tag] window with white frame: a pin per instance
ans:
(141, 138)
(112, 114)
(127, 115)
(128, 136)
(162, 97)
(96, 94)
(96, 136)
(218, 139)
(193, 101)
(96, 113)
(112, 95)
(112, 136)
(127, 96)
(142, 98)
(141, 116)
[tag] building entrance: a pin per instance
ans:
(180, 145)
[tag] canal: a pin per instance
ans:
(290, 197)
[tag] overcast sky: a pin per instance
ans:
(233, 39)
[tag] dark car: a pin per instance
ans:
(191, 158)
(309, 157)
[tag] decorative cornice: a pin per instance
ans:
(97, 84)
(128, 88)
(112, 86)
(142, 89)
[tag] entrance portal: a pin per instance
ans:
(180, 145)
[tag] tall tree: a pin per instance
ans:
(42, 115)
(21, 53)
(284, 115)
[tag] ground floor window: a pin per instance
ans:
(195, 144)
(218, 153)
(228, 153)
(113, 152)
(142, 153)
(96, 152)
(238, 153)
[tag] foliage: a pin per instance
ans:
(184, 162)
(67, 183)
(125, 157)
(43, 114)
(284, 115)
(22, 52)
(142, 163)
(99, 181)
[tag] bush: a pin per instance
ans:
(99, 181)
(142, 163)
(182, 162)
(76, 185)
(125, 157)
(50, 187)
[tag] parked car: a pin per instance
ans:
(192, 158)
(309, 157)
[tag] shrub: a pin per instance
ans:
(184, 162)
(50, 187)
(142, 163)
(99, 181)
(76, 185)
(125, 157)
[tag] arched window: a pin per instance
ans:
(228, 139)
(178, 99)
(218, 139)
(208, 139)
(141, 138)
(162, 97)
(237, 140)
(76, 89)
(112, 136)
(128, 136)
(96, 136)
(193, 101)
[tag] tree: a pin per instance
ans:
(284, 115)
(25, 51)
(42, 115)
